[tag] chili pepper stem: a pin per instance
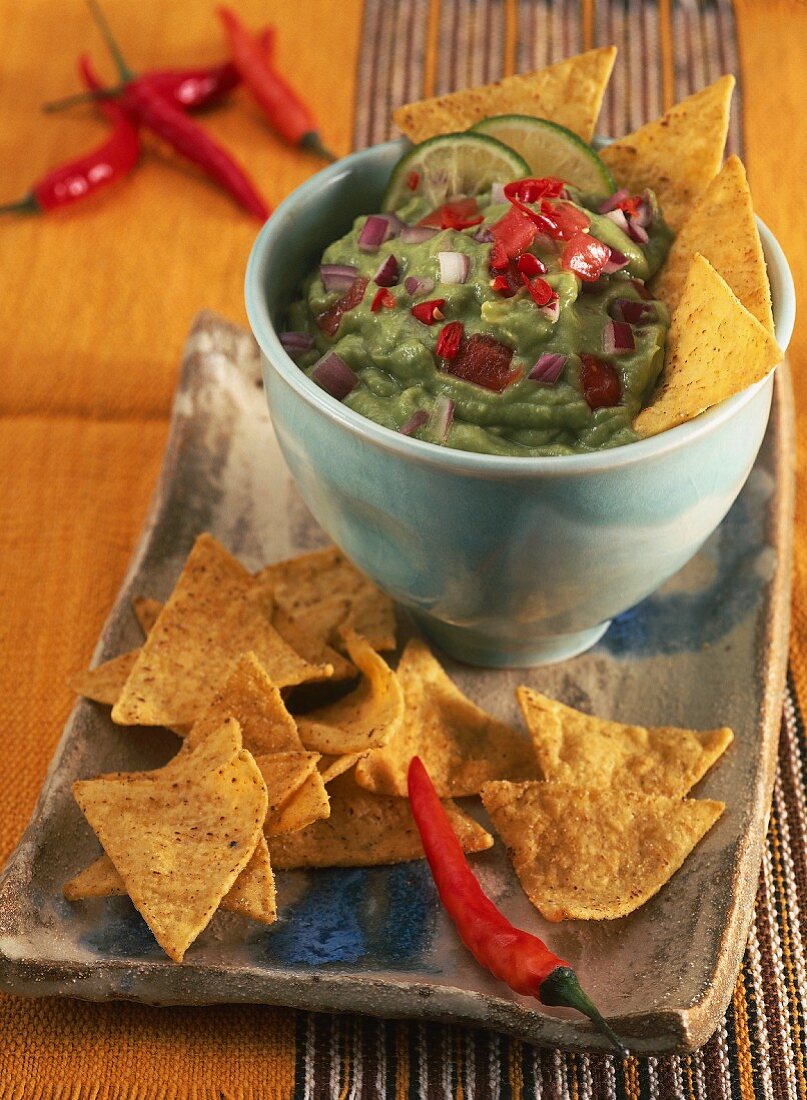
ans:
(124, 71)
(313, 143)
(28, 205)
(82, 97)
(562, 988)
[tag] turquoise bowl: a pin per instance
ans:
(505, 562)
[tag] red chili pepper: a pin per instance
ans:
(601, 386)
(330, 320)
(85, 175)
(540, 290)
(528, 264)
(519, 959)
(429, 312)
(449, 340)
(568, 219)
(383, 299)
(457, 214)
(503, 285)
(498, 259)
(284, 110)
(533, 190)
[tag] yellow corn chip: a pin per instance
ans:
(461, 746)
(569, 93)
(364, 830)
(580, 749)
(215, 613)
(368, 716)
(308, 635)
(250, 697)
(305, 805)
(722, 227)
(252, 894)
(324, 576)
(180, 836)
(147, 612)
(106, 681)
(678, 154)
(330, 767)
(715, 349)
(583, 854)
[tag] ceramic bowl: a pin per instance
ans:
(505, 562)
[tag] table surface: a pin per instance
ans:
(96, 303)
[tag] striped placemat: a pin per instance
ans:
(667, 50)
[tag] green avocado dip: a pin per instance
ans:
(513, 323)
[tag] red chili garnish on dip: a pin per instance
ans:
(601, 385)
(429, 312)
(540, 290)
(585, 256)
(449, 340)
(330, 320)
(459, 214)
(514, 233)
(383, 299)
(484, 361)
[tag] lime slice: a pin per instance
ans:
(450, 165)
(550, 150)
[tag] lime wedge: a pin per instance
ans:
(450, 165)
(550, 150)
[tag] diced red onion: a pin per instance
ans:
(442, 417)
(374, 232)
(618, 218)
(396, 225)
(417, 234)
(413, 285)
(613, 202)
(483, 236)
(617, 338)
(337, 276)
(454, 267)
(296, 343)
(635, 313)
(388, 273)
(549, 368)
(644, 214)
(415, 421)
(617, 261)
(334, 375)
(497, 195)
(551, 311)
(637, 233)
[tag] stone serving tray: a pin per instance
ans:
(708, 649)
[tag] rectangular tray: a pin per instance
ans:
(708, 649)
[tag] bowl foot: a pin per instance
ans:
(475, 647)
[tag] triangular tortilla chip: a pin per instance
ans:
(580, 749)
(722, 227)
(368, 716)
(147, 612)
(678, 154)
(215, 613)
(249, 696)
(364, 830)
(715, 349)
(594, 855)
(180, 836)
(308, 634)
(252, 894)
(324, 576)
(308, 803)
(106, 681)
(569, 93)
(461, 746)
(331, 767)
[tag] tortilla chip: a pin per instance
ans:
(308, 635)
(580, 749)
(305, 805)
(365, 830)
(722, 227)
(250, 697)
(583, 854)
(678, 154)
(180, 836)
(324, 576)
(215, 613)
(106, 681)
(368, 716)
(461, 746)
(715, 349)
(569, 93)
(252, 894)
(331, 767)
(147, 612)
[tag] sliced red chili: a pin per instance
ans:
(383, 299)
(568, 219)
(585, 256)
(503, 285)
(515, 232)
(429, 312)
(449, 340)
(330, 320)
(601, 386)
(533, 190)
(458, 214)
(528, 264)
(484, 361)
(540, 290)
(498, 259)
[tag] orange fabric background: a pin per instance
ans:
(96, 303)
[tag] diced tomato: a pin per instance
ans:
(515, 232)
(330, 320)
(533, 190)
(412, 181)
(503, 284)
(485, 362)
(459, 214)
(429, 312)
(449, 340)
(585, 256)
(383, 298)
(498, 259)
(528, 264)
(540, 290)
(630, 206)
(601, 386)
(568, 219)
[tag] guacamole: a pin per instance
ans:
(513, 323)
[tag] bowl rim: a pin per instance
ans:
(407, 447)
